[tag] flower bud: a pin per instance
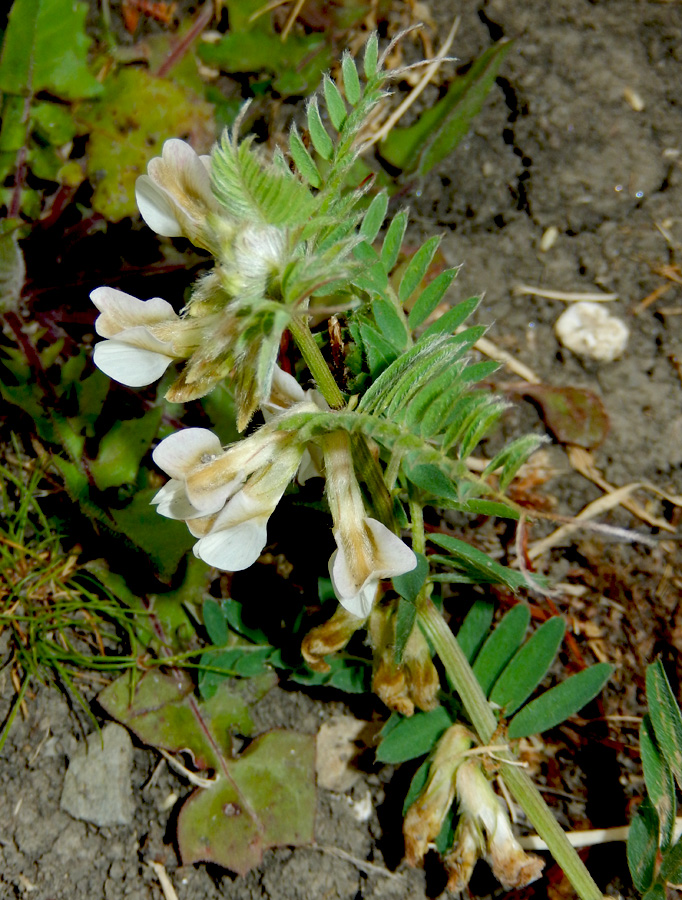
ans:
(329, 638)
(511, 865)
(425, 817)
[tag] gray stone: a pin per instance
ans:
(97, 786)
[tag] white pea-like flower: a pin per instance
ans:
(175, 197)
(142, 337)
(367, 551)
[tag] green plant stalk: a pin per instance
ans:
(526, 794)
(366, 463)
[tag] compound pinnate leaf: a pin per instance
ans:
(261, 799)
(665, 717)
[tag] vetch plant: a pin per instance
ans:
(389, 425)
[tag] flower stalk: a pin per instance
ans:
(524, 791)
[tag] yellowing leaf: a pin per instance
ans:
(129, 125)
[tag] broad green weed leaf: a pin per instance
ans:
(642, 846)
(665, 717)
(45, 49)
(474, 628)
(439, 129)
(560, 702)
(414, 736)
(529, 666)
(261, 799)
(122, 448)
(501, 646)
(659, 781)
(129, 125)
(165, 541)
(657, 892)
(296, 65)
(12, 271)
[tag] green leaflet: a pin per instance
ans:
(501, 646)
(560, 702)
(474, 628)
(529, 666)
(642, 846)
(665, 717)
(659, 781)
(408, 738)
(480, 566)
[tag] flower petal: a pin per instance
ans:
(171, 501)
(130, 365)
(184, 450)
(156, 208)
(121, 311)
(233, 549)
(358, 601)
(392, 555)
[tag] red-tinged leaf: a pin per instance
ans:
(573, 415)
(265, 799)
(261, 799)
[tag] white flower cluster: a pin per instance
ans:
(227, 495)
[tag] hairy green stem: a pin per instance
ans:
(526, 794)
(316, 363)
(368, 467)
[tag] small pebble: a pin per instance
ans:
(589, 330)
(97, 784)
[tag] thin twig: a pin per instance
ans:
(566, 296)
(591, 837)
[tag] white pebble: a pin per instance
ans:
(589, 329)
